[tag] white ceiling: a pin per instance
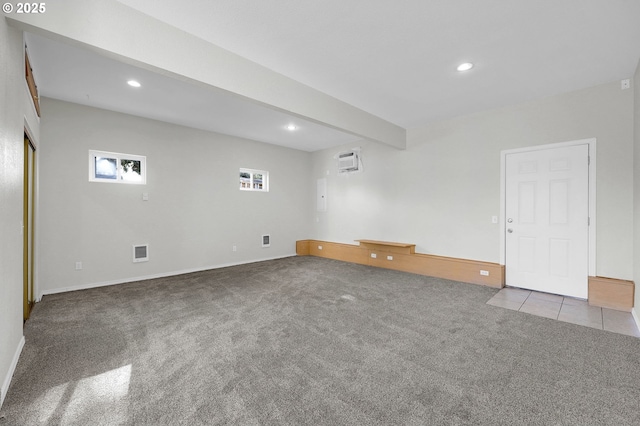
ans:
(82, 76)
(395, 60)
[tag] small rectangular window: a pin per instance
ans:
(254, 180)
(118, 168)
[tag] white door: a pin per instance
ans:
(547, 214)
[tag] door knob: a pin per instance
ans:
(509, 220)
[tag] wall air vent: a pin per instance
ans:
(266, 240)
(140, 253)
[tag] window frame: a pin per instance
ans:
(93, 154)
(252, 172)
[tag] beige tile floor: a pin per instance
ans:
(567, 309)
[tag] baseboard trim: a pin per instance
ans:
(14, 363)
(456, 269)
(154, 276)
(634, 314)
(611, 293)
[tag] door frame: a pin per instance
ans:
(28, 226)
(592, 196)
(33, 137)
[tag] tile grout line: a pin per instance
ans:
(601, 319)
(558, 314)
(523, 302)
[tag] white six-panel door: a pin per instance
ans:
(546, 220)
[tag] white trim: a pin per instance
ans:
(154, 276)
(636, 318)
(34, 111)
(14, 363)
(592, 194)
(29, 130)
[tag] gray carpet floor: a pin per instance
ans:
(310, 341)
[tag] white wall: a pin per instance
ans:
(195, 212)
(636, 192)
(442, 191)
(11, 189)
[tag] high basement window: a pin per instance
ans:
(117, 168)
(254, 180)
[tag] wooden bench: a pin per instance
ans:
(402, 248)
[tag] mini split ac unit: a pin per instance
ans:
(348, 162)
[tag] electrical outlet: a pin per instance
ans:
(235, 248)
(78, 266)
(319, 247)
(389, 257)
(484, 273)
(625, 84)
(373, 255)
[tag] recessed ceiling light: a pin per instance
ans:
(465, 67)
(133, 83)
(292, 127)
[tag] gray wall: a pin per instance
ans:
(11, 156)
(195, 212)
(442, 191)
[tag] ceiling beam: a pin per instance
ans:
(123, 33)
